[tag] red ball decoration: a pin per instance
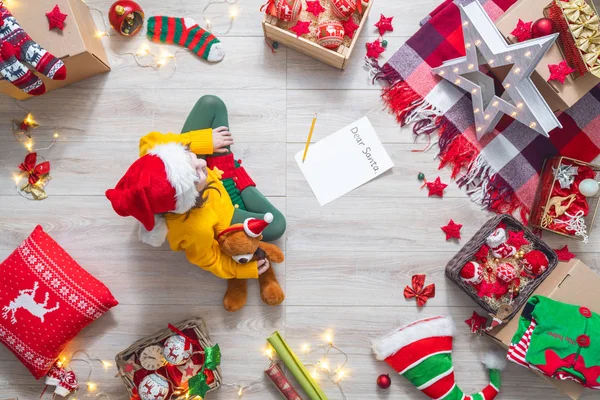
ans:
(535, 262)
(126, 17)
(330, 34)
(285, 10)
(542, 27)
(343, 8)
(384, 381)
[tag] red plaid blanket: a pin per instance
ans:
(500, 172)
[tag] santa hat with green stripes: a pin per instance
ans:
(422, 353)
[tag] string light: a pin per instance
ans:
(91, 386)
(233, 14)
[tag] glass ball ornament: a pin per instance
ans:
(588, 187)
(384, 381)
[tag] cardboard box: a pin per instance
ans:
(572, 283)
(336, 58)
(559, 97)
(78, 45)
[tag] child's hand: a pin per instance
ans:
(263, 266)
(221, 139)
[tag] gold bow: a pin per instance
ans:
(591, 58)
(584, 27)
(574, 9)
(595, 70)
(588, 43)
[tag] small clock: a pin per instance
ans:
(152, 358)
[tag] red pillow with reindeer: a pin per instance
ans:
(46, 299)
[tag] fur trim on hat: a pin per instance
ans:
(156, 237)
(180, 173)
(390, 344)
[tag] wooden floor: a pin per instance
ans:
(347, 263)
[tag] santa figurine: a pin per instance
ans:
(498, 245)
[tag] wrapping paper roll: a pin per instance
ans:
(296, 368)
(276, 375)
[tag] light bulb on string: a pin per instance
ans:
(91, 386)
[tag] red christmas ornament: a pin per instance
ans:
(452, 230)
(436, 188)
(349, 27)
(56, 19)
(126, 17)
(301, 28)
(343, 8)
(472, 273)
(506, 272)
(384, 24)
(284, 10)
(314, 7)
(523, 31)
(535, 262)
(564, 254)
(384, 381)
(374, 49)
(516, 239)
(542, 27)
(558, 72)
(330, 34)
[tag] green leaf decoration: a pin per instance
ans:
(212, 357)
(197, 385)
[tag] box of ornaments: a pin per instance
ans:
(176, 363)
(567, 198)
(501, 266)
(326, 30)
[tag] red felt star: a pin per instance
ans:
(349, 27)
(476, 322)
(558, 72)
(482, 253)
(374, 49)
(301, 28)
(523, 31)
(452, 230)
(564, 254)
(517, 239)
(314, 7)
(436, 188)
(56, 19)
(384, 24)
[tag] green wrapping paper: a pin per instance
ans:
(293, 364)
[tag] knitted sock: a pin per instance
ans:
(16, 46)
(185, 32)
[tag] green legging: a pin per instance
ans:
(211, 112)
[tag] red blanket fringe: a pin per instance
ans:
(455, 150)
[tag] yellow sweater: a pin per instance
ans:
(195, 232)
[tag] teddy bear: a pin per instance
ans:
(242, 242)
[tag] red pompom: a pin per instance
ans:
(8, 51)
(535, 262)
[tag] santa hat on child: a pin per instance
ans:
(422, 353)
(159, 182)
(253, 227)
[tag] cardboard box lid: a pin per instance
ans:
(573, 283)
(561, 96)
(76, 38)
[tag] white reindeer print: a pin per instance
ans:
(26, 300)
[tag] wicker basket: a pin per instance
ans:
(468, 251)
(199, 327)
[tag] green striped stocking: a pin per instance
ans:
(185, 32)
(422, 353)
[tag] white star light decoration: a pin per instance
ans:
(521, 99)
